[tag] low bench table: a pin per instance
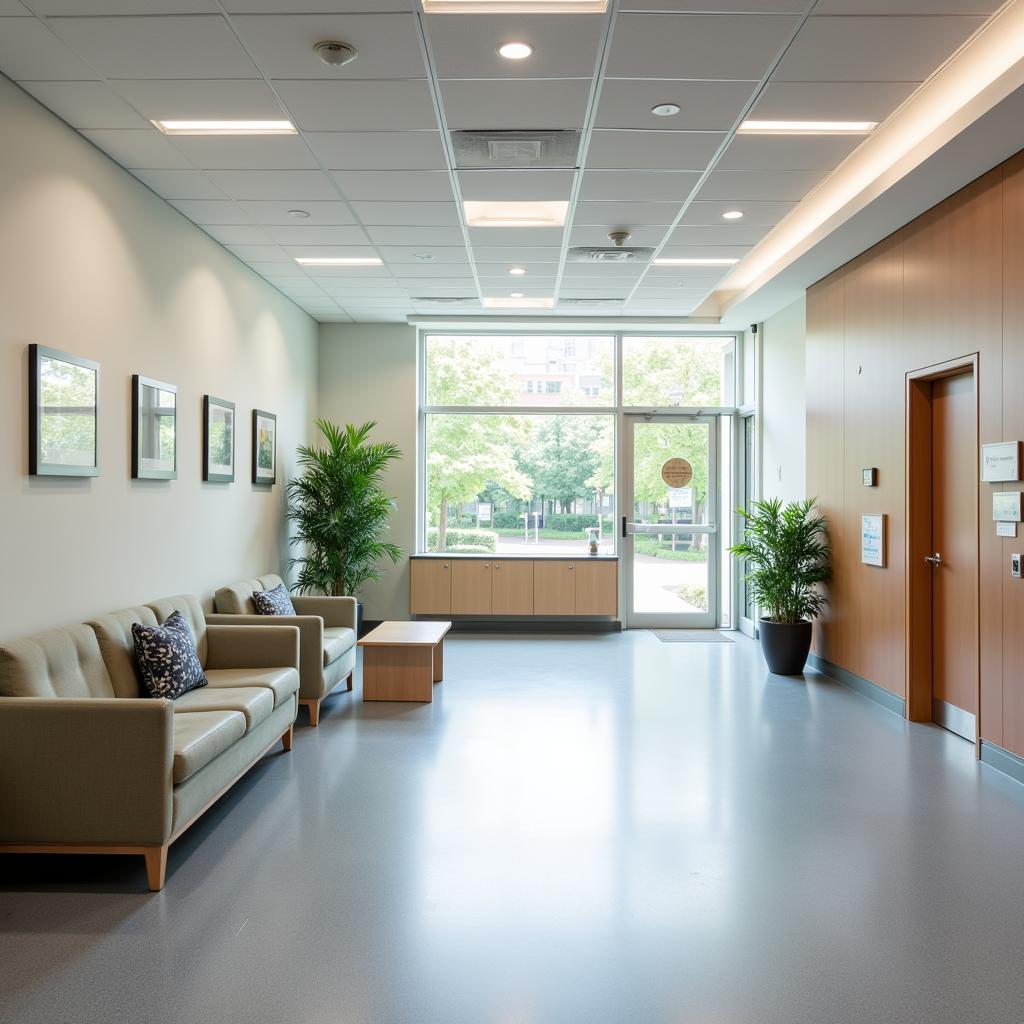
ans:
(403, 660)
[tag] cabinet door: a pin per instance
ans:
(512, 587)
(554, 588)
(471, 587)
(597, 588)
(430, 586)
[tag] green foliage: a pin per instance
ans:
(462, 540)
(340, 510)
(574, 522)
(560, 458)
(786, 550)
(695, 594)
(650, 545)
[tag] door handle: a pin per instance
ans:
(623, 526)
(935, 559)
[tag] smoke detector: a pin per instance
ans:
(335, 53)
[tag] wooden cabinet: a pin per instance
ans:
(554, 588)
(430, 586)
(597, 588)
(471, 587)
(512, 587)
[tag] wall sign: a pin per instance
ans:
(677, 472)
(869, 477)
(1006, 529)
(1000, 462)
(1006, 506)
(680, 497)
(872, 539)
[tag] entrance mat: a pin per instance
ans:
(691, 636)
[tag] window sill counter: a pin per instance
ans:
(499, 557)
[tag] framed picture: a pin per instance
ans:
(872, 540)
(63, 407)
(1006, 506)
(154, 429)
(264, 447)
(218, 440)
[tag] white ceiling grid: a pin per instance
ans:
(372, 164)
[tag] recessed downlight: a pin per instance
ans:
(226, 127)
(299, 214)
(666, 109)
(487, 213)
(732, 215)
(702, 261)
(806, 127)
(515, 50)
(517, 271)
(339, 261)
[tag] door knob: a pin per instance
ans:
(935, 559)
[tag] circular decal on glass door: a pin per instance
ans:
(677, 472)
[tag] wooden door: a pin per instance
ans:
(471, 587)
(554, 587)
(954, 502)
(512, 587)
(597, 588)
(430, 586)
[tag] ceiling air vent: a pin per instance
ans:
(606, 254)
(591, 302)
(495, 150)
(446, 300)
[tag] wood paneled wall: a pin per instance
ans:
(948, 284)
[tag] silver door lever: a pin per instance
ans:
(935, 559)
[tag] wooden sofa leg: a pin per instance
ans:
(348, 682)
(286, 739)
(314, 713)
(156, 866)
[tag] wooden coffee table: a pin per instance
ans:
(403, 660)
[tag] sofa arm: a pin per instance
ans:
(86, 771)
(335, 611)
(260, 646)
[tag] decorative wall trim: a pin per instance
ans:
(1002, 760)
(866, 688)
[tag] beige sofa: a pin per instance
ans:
(327, 628)
(87, 765)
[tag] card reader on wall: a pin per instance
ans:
(1015, 566)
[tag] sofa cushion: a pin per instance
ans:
(337, 640)
(58, 663)
(191, 611)
(255, 702)
(236, 598)
(283, 682)
(167, 658)
(273, 602)
(114, 634)
(200, 736)
(269, 582)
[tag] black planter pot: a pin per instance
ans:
(359, 618)
(785, 645)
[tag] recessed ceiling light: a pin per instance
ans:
(806, 127)
(299, 214)
(515, 50)
(697, 262)
(495, 214)
(517, 303)
(666, 109)
(226, 127)
(515, 6)
(339, 261)
(517, 271)
(335, 53)
(732, 215)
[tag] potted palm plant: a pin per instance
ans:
(786, 553)
(341, 512)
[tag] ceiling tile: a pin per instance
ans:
(719, 6)
(598, 236)
(624, 214)
(146, 148)
(90, 7)
(516, 185)
(314, 6)
(787, 153)
(885, 49)
(239, 234)
(515, 236)
(319, 234)
(86, 104)
(28, 50)
(157, 47)
(287, 185)
(705, 106)
(420, 214)
(321, 212)
(754, 213)
(339, 287)
(426, 186)
(978, 7)
(655, 186)
(13, 9)
(392, 254)
(268, 152)
(210, 211)
(534, 270)
(287, 269)
(455, 290)
(689, 151)
(522, 254)
(830, 101)
(379, 150)
(727, 46)
(257, 253)
(564, 45)
(419, 271)
(384, 235)
(737, 186)
(353, 105)
(179, 184)
(500, 103)
(715, 234)
(230, 99)
(388, 44)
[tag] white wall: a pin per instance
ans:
(96, 264)
(368, 372)
(783, 404)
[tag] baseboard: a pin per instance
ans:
(1002, 760)
(866, 688)
(536, 626)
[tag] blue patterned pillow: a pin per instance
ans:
(273, 602)
(167, 657)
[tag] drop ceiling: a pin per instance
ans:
(372, 169)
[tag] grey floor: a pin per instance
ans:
(594, 829)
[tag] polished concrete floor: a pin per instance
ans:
(597, 829)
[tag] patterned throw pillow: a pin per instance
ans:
(273, 602)
(167, 657)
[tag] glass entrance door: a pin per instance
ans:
(669, 550)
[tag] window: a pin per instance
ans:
(665, 372)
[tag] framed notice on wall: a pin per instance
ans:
(872, 540)
(1000, 462)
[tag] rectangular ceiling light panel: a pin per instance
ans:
(806, 127)
(696, 262)
(500, 302)
(339, 261)
(486, 213)
(515, 6)
(226, 127)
